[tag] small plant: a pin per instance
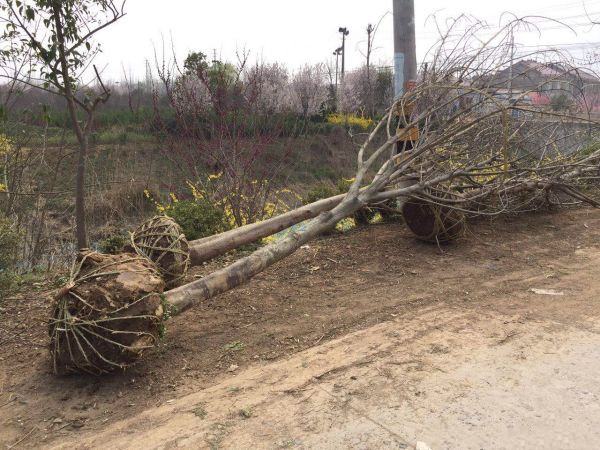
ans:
(560, 102)
(246, 413)
(8, 281)
(200, 411)
(235, 346)
(112, 244)
(9, 245)
(169, 310)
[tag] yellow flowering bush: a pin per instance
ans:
(5, 147)
(213, 208)
(352, 120)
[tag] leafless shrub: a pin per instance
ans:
(225, 130)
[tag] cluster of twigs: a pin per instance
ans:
(476, 152)
(486, 155)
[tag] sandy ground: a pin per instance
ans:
(454, 350)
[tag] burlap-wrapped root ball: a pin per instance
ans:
(108, 314)
(433, 223)
(162, 241)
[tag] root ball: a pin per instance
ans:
(433, 223)
(162, 241)
(108, 314)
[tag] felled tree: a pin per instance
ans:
(475, 155)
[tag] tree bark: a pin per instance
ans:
(208, 248)
(80, 225)
(82, 136)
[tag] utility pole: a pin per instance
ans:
(405, 48)
(370, 31)
(345, 32)
(337, 53)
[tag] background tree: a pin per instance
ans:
(560, 102)
(309, 90)
(56, 37)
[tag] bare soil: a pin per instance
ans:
(365, 340)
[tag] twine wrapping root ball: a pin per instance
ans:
(107, 315)
(433, 223)
(162, 241)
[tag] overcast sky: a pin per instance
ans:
(305, 31)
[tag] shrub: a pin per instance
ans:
(112, 244)
(9, 243)
(350, 120)
(198, 218)
(560, 102)
(8, 280)
(319, 192)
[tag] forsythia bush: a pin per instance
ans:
(351, 120)
(198, 218)
(214, 208)
(5, 146)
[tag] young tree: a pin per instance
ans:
(57, 36)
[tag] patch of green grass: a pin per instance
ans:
(200, 411)
(288, 443)
(235, 346)
(246, 413)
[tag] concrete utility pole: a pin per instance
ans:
(405, 48)
(337, 53)
(345, 32)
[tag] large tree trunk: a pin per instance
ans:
(225, 279)
(210, 247)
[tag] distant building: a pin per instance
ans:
(537, 83)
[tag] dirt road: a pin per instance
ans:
(493, 344)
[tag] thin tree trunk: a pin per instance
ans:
(82, 137)
(80, 226)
